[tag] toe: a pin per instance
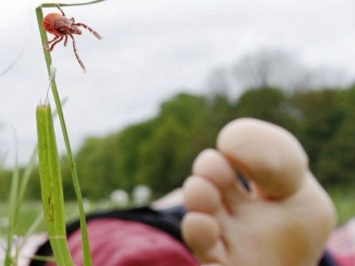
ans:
(213, 166)
(268, 155)
(202, 233)
(202, 196)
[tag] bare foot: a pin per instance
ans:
(284, 219)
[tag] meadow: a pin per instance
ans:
(344, 203)
(30, 210)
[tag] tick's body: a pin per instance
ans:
(62, 27)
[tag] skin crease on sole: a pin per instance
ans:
(285, 218)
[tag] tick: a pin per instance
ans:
(62, 27)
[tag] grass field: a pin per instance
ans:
(30, 210)
(343, 200)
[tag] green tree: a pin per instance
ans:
(159, 152)
(129, 143)
(159, 165)
(95, 163)
(165, 158)
(336, 166)
(320, 115)
(269, 104)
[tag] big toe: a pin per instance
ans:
(268, 155)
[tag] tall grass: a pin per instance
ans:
(52, 191)
(51, 186)
(15, 201)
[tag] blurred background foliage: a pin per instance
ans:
(159, 152)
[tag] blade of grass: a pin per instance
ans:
(48, 59)
(72, 4)
(26, 177)
(13, 210)
(16, 196)
(36, 223)
(34, 226)
(51, 186)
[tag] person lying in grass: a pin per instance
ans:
(280, 216)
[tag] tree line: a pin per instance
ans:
(159, 152)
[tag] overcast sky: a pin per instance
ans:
(151, 50)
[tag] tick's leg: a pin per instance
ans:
(55, 38)
(55, 41)
(65, 40)
(60, 10)
(76, 54)
(89, 29)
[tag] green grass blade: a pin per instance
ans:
(26, 177)
(72, 4)
(48, 59)
(34, 226)
(12, 212)
(51, 186)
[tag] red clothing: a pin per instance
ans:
(126, 243)
(341, 244)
